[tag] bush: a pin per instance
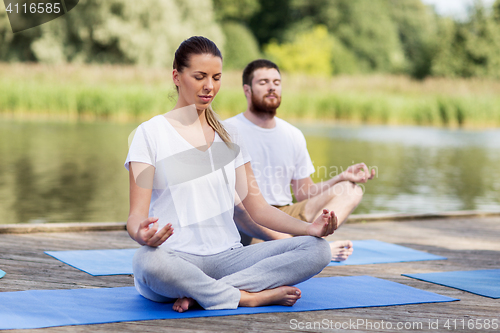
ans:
(240, 48)
(146, 33)
(309, 53)
(344, 61)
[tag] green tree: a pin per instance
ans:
(450, 53)
(241, 46)
(15, 47)
(471, 48)
(271, 21)
(496, 11)
(417, 30)
(343, 60)
(365, 27)
(123, 31)
(309, 52)
(235, 10)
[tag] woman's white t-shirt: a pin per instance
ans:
(193, 190)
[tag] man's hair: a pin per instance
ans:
(253, 66)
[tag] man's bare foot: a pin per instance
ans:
(283, 295)
(341, 250)
(183, 304)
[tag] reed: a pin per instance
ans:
(125, 93)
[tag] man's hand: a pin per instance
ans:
(147, 232)
(358, 173)
(324, 225)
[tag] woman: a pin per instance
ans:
(186, 173)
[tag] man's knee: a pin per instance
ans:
(348, 190)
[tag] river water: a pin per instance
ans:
(66, 172)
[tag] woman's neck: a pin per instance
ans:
(187, 115)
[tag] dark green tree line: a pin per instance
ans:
(363, 36)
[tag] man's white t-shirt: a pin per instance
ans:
(278, 155)
(193, 190)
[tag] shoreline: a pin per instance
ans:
(27, 228)
(74, 118)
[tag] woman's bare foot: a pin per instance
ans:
(183, 304)
(283, 295)
(341, 250)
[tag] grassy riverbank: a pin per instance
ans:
(133, 94)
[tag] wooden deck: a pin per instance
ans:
(468, 242)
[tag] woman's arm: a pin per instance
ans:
(141, 228)
(245, 223)
(273, 218)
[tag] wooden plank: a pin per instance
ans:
(118, 226)
(419, 216)
(469, 243)
(60, 227)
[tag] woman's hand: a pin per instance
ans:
(324, 225)
(147, 232)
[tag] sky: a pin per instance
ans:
(454, 8)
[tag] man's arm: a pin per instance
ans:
(305, 188)
(270, 217)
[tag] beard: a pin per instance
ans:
(265, 107)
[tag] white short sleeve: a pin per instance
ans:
(243, 156)
(142, 147)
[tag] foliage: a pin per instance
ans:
(120, 31)
(364, 36)
(15, 47)
(365, 27)
(241, 46)
(235, 10)
(417, 30)
(395, 36)
(496, 11)
(271, 21)
(344, 61)
(309, 52)
(471, 48)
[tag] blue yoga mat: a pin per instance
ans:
(376, 252)
(2, 274)
(98, 262)
(48, 308)
(481, 282)
(115, 262)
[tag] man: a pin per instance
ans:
(280, 159)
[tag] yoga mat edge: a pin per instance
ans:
(472, 281)
(50, 308)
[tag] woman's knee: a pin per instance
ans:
(148, 262)
(319, 251)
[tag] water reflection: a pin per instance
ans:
(419, 169)
(66, 197)
(60, 172)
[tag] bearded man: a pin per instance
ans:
(280, 158)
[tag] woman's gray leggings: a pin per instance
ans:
(215, 281)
